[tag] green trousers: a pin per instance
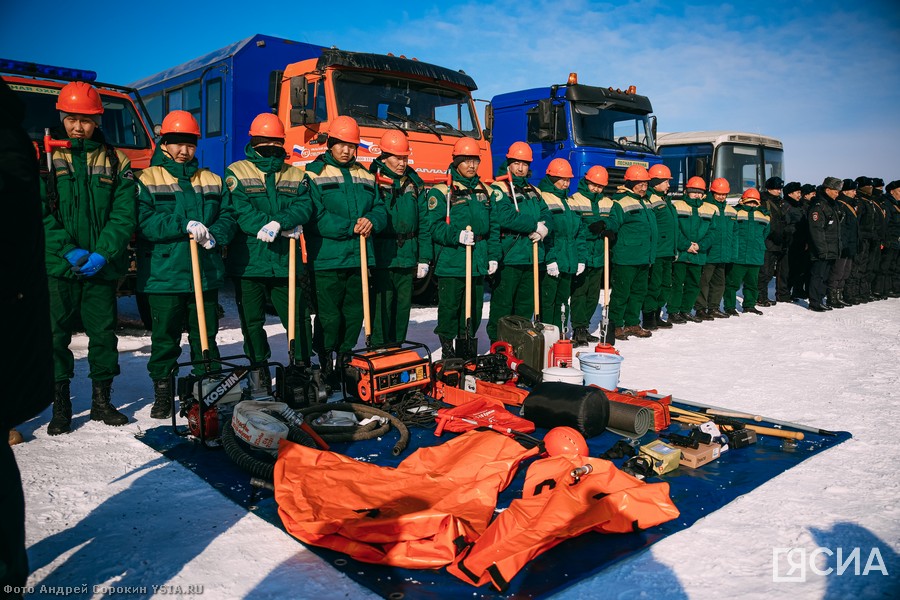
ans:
(513, 294)
(170, 314)
(712, 286)
(94, 302)
(746, 275)
(685, 287)
(451, 321)
(392, 289)
(629, 286)
(340, 316)
(555, 293)
(251, 295)
(659, 284)
(585, 296)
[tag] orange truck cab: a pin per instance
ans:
(123, 122)
(431, 105)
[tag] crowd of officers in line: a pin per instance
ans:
(686, 256)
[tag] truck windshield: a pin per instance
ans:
(120, 123)
(384, 100)
(595, 125)
(746, 166)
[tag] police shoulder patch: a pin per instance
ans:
(815, 216)
(231, 181)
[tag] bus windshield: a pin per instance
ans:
(119, 122)
(595, 125)
(746, 166)
(384, 100)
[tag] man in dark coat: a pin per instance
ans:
(824, 240)
(843, 265)
(24, 323)
(794, 270)
(772, 203)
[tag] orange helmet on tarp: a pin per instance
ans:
(435, 498)
(565, 440)
(555, 508)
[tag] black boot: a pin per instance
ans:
(162, 402)
(101, 408)
(447, 350)
(659, 320)
(649, 320)
(580, 337)
(264, 379)
(329, 374)
(834, 299)
(61, 421)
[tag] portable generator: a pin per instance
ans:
(376, 375)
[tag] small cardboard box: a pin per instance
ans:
(665, 457)
(693, 458)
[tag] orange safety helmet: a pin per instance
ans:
(660, 171)
(345, 129)
(394, 142)
(79, 98)
(752, 193)
(597, 175)
(520, 151)
(636, 173)
(560, 167)
(719, 186)
(267, 125)
(180, 121)
(696, 183)
(565, 440)
(466, 146)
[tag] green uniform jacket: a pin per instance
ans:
(262, 190)
(341, 194)
(513, 226)
(633, 221)
(566, 244)
(170, 195)
(666, 224)
(722, 248)
(592, 208)
(470, 204)
(696, 222)
(96, 210)
(750, 233)
(405, 238)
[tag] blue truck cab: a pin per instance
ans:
(583, 124)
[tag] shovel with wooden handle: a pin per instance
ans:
(467, 346)
(198, 298)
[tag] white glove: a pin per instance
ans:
(293, 233)
(422, 270)
(199, 231)
(466, 238)
(268, 231)
(580, 269)
(541, 230)
(553, 269)
(492, 267)
(534, 236)
(210, 242)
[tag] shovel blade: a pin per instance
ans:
(466, 347)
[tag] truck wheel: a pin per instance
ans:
(143, 306)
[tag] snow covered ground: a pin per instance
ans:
(103, 509)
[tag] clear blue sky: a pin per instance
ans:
(824, 77)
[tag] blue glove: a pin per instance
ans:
(92, 266)
(74, 256)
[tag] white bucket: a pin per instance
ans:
(564, 374)
(601, 369)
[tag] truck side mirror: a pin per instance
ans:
(700, 167)
(488, 123)
(543, 122)
(299, 96)
(653, 128)
(275, 78)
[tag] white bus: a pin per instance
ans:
(745, 159)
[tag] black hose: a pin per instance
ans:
(258, 463)
(362, 411)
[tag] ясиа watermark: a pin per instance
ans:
(793, 564)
